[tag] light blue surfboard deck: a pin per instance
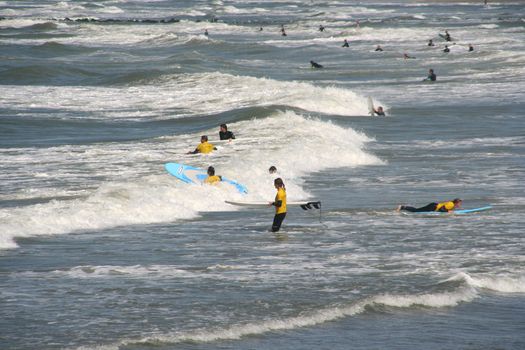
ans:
(194, 175)
(455, 212)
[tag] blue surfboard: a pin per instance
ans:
(455, 212)
(193, 175)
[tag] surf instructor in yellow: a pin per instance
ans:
(204, 146)
(279, 204)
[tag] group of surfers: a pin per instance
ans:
(280, 198)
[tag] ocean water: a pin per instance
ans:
(101, 249)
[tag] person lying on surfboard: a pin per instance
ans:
(212, 178)
(279, 204)
(441, 207)
(204, 146)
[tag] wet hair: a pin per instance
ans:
(279, 183)
(211, 171)
(224, 126)
(204, 137)
(272, 169)
(457, 200)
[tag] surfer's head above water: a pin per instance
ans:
(272, 169)
(211, 171)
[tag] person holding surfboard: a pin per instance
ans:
(431, 76)
(204, 146)
(279, 204)
(212, 178)
(379, 111)
(443, 207)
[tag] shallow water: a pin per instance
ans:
(101, 249)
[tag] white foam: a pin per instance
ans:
(503, 284)
(156, 100)
(149, 195)
(435, 300)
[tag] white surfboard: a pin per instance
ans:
(371, 108)
(306, 204)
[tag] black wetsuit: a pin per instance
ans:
(432, 77)
(345, 44)
(226, 135)
(380, 114)
(428, 207)
(277, 221)
(447, 50)
(315, 64)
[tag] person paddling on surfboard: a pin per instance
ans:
(279, 204)
(212, 178)
(204, 146)
(443, 207)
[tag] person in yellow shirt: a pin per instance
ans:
(204, 146)
(212, 178)
(279, 204)
(441, 207)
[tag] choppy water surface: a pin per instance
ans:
(101, 249)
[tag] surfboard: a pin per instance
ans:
(306, 204)
(371, 108)
(455, 212)
(192, 175)
(445, 37)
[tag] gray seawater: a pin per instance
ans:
(101, 249)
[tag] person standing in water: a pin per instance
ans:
(204, 146)
(224, 134)
(279, 204)
(431, 76)
(212, 178)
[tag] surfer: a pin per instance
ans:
(447, 36)
(406, 56)
(321, 28)
(431, 76)
(206, 32)
(379, 111)
(315, 64)
(430, 42)
(272, 170)
(224, 134)
(441, 207)
(212, 178)
(470, 47)
(279, 204)
(345, 43)
(379, 48)
(446, 49)
(204, 146)
(283, 32)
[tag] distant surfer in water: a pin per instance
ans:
(431, 76)
(379, 48)
(379, 111)
(446, 49)
(212, 178)
(470, 47)
(204, 146)
(272, 170)
(283, 32)
(206, 32)
(279, 204)
(447, 36)
(443, 207)
(345, 43)
(321, 28)
(315, 64)
(430, 42)
(406, 56)
(224, 134)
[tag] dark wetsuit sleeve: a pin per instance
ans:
(277, 203)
